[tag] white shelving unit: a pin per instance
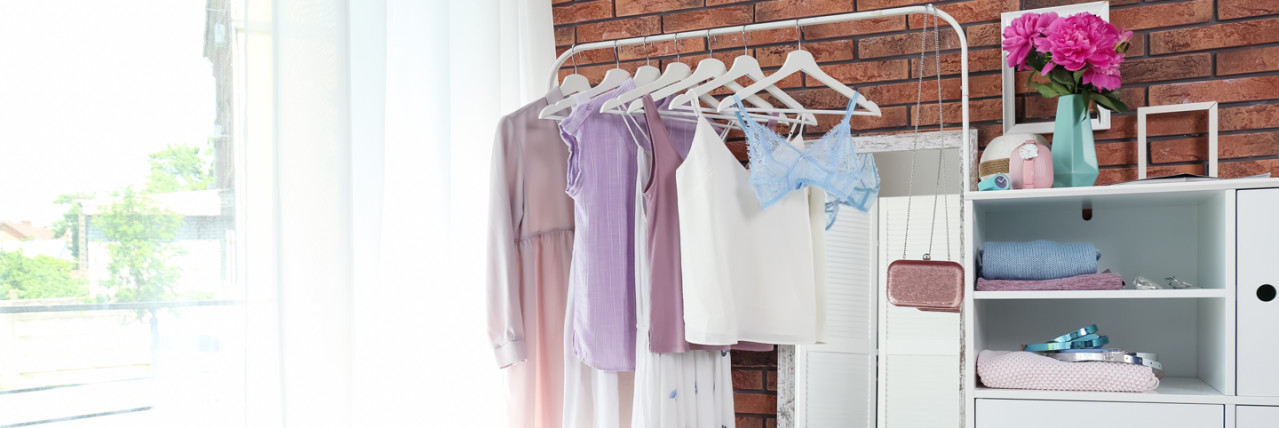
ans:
(1187, 230)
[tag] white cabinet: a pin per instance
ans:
(1256, 417)
(1258, 310)
(1217, 342)
(1074, 414)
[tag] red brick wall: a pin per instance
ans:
(755, 388)
(1183, 51)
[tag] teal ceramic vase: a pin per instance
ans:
(1074, 156)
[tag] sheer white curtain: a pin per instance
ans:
(368, 132)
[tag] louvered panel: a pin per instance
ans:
(835, 398)
(911, 331)
(848, 283)
(836, 381)
(893, 228)
(907, 330)
(919, 351)
(922, 391)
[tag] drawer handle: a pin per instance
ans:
(1266, 292)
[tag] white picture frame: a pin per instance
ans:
(1142, 149)
(1099, 123)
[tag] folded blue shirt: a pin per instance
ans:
(1038, 260)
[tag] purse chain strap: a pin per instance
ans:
(941, 164)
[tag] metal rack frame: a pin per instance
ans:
(936, 140)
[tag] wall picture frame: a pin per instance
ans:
(1143, 147)
(1102, 119)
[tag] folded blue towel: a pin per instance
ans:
(1038, 260)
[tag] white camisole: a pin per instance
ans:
(750, 274)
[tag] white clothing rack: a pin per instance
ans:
(965, 138)
(967, 150)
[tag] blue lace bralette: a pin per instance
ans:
(830, 162)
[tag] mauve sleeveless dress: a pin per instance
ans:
(670, 141)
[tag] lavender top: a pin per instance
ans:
(601, 181)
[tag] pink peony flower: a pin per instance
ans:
(1105, 78)
(1081, 40)
(1023, 34)
(1125, 37)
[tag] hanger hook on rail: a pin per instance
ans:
(799, 41)
(573, 55)
(709, 48)
(646, 57)
(616, 61)
(745, 51)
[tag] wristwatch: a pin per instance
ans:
(1028, 151)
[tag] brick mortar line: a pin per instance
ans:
(783, 44)
(1151, 31)
(964, 26)
(662, 14)
(1204, 134)
(1192, 163)
(1146, 55)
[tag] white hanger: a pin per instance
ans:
(802, 60)
(647, 73)
(636, 107)
(743, 66)
(675, 71)
(709, 68)
(612, 79)
(575, 82)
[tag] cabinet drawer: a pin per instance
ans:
(1258, 281)
(1074, 414)
(1256, 417)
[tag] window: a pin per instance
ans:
(121, 302)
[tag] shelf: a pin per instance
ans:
(1201, 293)
(1171, 390)
(1123, 192)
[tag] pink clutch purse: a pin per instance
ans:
(929, 285)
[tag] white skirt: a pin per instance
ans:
(685, 390)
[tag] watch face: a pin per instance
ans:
(1028, 151)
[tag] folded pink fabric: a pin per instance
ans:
(1095, 281)
(1028, 370)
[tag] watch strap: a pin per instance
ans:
(1076, 334)
(1108, 355)
(1085, 342)
(1027, 169)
